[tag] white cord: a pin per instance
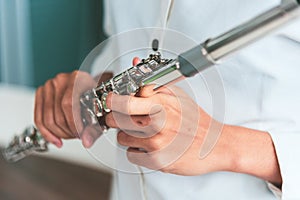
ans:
(141, 174)
(142, 183)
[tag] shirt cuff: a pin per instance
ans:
(276, 191)
(287, 146)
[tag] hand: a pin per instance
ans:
(164, 131)
(167, 131)
(58, 111)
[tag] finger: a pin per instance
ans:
(38, 119)
(49, 115)
(135, 61)
(149, 90)
(131, 105)
(156, 160)
(126, 139)
(126, 122)
(81, 82)
(150, 145)
(89, 135)
(172, 91)
(60, 83)
(140, 158)
(146, 91)
(68, 106)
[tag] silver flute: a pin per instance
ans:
(159, 71)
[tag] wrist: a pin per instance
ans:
(228, 149)
(223, 153)
(252, 152)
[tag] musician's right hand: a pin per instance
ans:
(57, 108)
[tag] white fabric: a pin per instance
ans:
(261, 86)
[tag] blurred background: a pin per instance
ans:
(38, 39)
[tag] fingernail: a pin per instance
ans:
(58, 144)
(135, 61)
(88, 141)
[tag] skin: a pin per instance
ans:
(158, 128)
(57, 108)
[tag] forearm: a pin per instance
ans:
(253, 153)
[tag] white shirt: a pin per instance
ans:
(260, 84)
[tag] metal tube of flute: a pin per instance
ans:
(208, 53)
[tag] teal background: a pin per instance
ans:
(0, 67)
(63, 32)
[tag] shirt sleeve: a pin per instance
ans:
(276, 191)
(286, 133)
(288, 151)
(102, 58)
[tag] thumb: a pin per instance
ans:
(136, 61)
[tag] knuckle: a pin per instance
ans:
(122, 139)
(83, 74)
(156, 127)
(49, 84)
(39, 89)
(66, 103)
(75, 73)
(155, 143)
(158, 122)
(61, 76)
(165, 170)
(109, 120)
(59, 79)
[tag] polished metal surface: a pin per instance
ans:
(25, 144)
(212, 50)
(152, 70)
(252, 30)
